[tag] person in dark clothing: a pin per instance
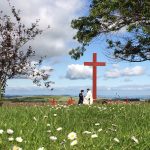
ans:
(81, 97)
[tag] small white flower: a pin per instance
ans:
(94, 136)
(48, 125)
(41, 148)
(55, 115)
(10, 139)
(135, 139)
(53, 138)
(16, 148)
(87, 132)
(10, 131)
(59, 129)
(49, 131)
(97, 124)
(99, 130)
(116, 140)
(74, 142)
(19, 139)
(45, 116)
(72, 136)
(114, 125)
(1, 131)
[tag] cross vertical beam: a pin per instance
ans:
(94, 64)
(94, 77)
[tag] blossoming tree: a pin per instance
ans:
(14, 61)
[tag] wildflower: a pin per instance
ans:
(94, 136)
(1, 131)
(116, 140)
(53, 138)
(41, 148)
(114, 125)
(72, 136)
(59, 129)
(48, 131)
(10, 139)
(134, 139)
(10, 131)
(74, 142)
(55, 115)
(87, 132)
(99, 130)
(16, 148)
(19, 139)
(97, 124)
(48, 125)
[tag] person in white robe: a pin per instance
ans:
(88, 99)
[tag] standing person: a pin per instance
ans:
(81, 97)
(88, 100)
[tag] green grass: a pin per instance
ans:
(38, 98)
(130, 120)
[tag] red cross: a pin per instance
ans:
(94, 64)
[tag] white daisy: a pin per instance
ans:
(135, 139)
(53, 138)
(72, 136)
(59, 129)
(74, 142)
(87, 132)
(49, 131)
(10, 139)
(16, 148)
(94, 136)
(99, 130)
(97, 124)
(116, 140)
(41, 148)
(10, 131)
(19, 139)
(1, 131)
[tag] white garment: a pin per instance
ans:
(88, 100)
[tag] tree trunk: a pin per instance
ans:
(0, 90)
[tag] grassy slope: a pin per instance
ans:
(131, 120)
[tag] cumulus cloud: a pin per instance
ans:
(56, 13)
(76, 71)
(132, 71)
(135, 71)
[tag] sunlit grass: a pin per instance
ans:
(35, 125)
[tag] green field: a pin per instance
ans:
(35, 125)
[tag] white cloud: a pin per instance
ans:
(76, 71)
(56, 13)
(117, 72)
(135, 71)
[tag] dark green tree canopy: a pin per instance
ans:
(107, 16)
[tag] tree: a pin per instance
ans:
(14, 61)
(107, 16)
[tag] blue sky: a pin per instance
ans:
(70, 76)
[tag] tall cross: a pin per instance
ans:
(94, 64)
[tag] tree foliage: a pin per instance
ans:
(14, 60)
(107, 16)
